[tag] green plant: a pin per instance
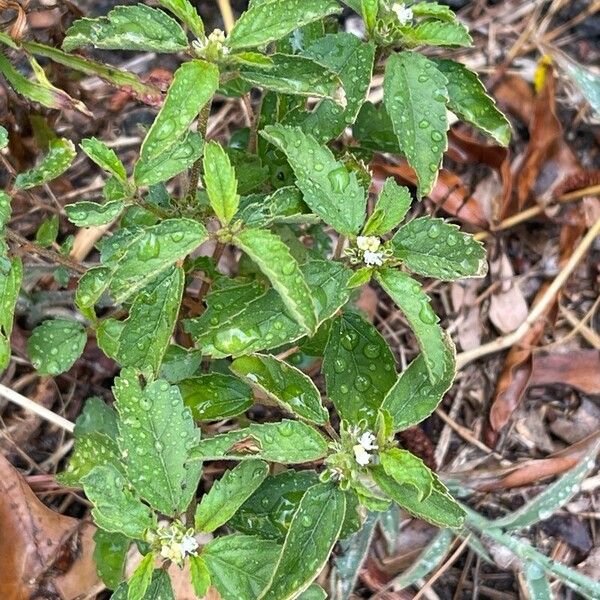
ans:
(274, 194)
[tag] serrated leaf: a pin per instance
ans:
(221, 182)
(414, 397)
(415, 305)
(194, 84)
(140, 580)
(151, 321)
(435, 248)
(137, 27)
(215, 396)
(470, 101)
(269, 511)
(285, 384)
(359, 368)
(169, 163)
(110, 552)
(296, 75)
(258, 321)
(55, 345)
(432, 32)
(415, 98)
(313, 532)
(155, 434)
(352, 59)
(86, 214)
(273, 258)
(240, 565)
(406, 468)
(438, 508)
(10, 285)
(199, 575)
(104, 157)
(392, 205)
(159, 589)
(96, 416)
(61, 153)
(229, 493)
(433, 9)
(184, 11)
(116, 509)
(329, 188)
(285, 442)
(272, 19)
(179, 364)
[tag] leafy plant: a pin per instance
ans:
(275, 199)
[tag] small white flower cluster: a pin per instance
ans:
(369, 244)
(215, 43)
(403, 12)
(175, 542)
(362, 450)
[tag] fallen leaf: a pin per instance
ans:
(508, 307)
(464, 300)
(515, 96)
(579, 369)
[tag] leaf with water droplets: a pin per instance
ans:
(274, 259)
(329, 189)
(156, 432)
(61, 153)
(86, 214)
(104, 157)
(415, 98)
(240, 565)
(406, 468)
(137, 27)
(283, 383)
(435, 33)
(313, 532)
(435, 248)
(229, 493)
(55, 345)
(116, 508)
(285, 442)
(296, 75)
(193, 86)
(359, 368)
(391, 208)
(414, 397)
(469, 100)
(414, 303)
(10, 285)
(270, 20)
(215, 396)
(352, 59)
(184, 11)
(148, 328)
(220, 182)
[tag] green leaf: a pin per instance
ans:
(296, 75)
(369, 10)
(10, 285)
(373, 129)
(151, 322)
(438, 508)
(193, 86)
(585, 79)
(137, 27)
(436, 33)
(116, 509)
(140, 580)
(185, 12)
(199, 575)
(269, 511)
(352, 59)
(140, 256)
(469, 100)
(60, 155)
(104, 157)
(435, 248)
(329, 189)
(96, 416)
(272, 19)
(240, 565)
(3, 138)
(313, 592)
(55, 345)
(110, 552)
(108, 334)
(391, 208)
(414, 303)
(415, 97)
(244, 320)
(433, 9)
(159, 588)
(47, 232)
(229, 493)
(86, 214)
(274, 259)
(221, 183)
(155, 433)
(285, 442)
(414, 397)
(179, 364)
(285, 384)
(405, 468)
(92, 285)
(313, 532)
(359, 368)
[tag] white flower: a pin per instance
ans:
(404, 13)
(189, 545)
(363, 458)
(366, 441)
(368, 243)
(373, 258)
